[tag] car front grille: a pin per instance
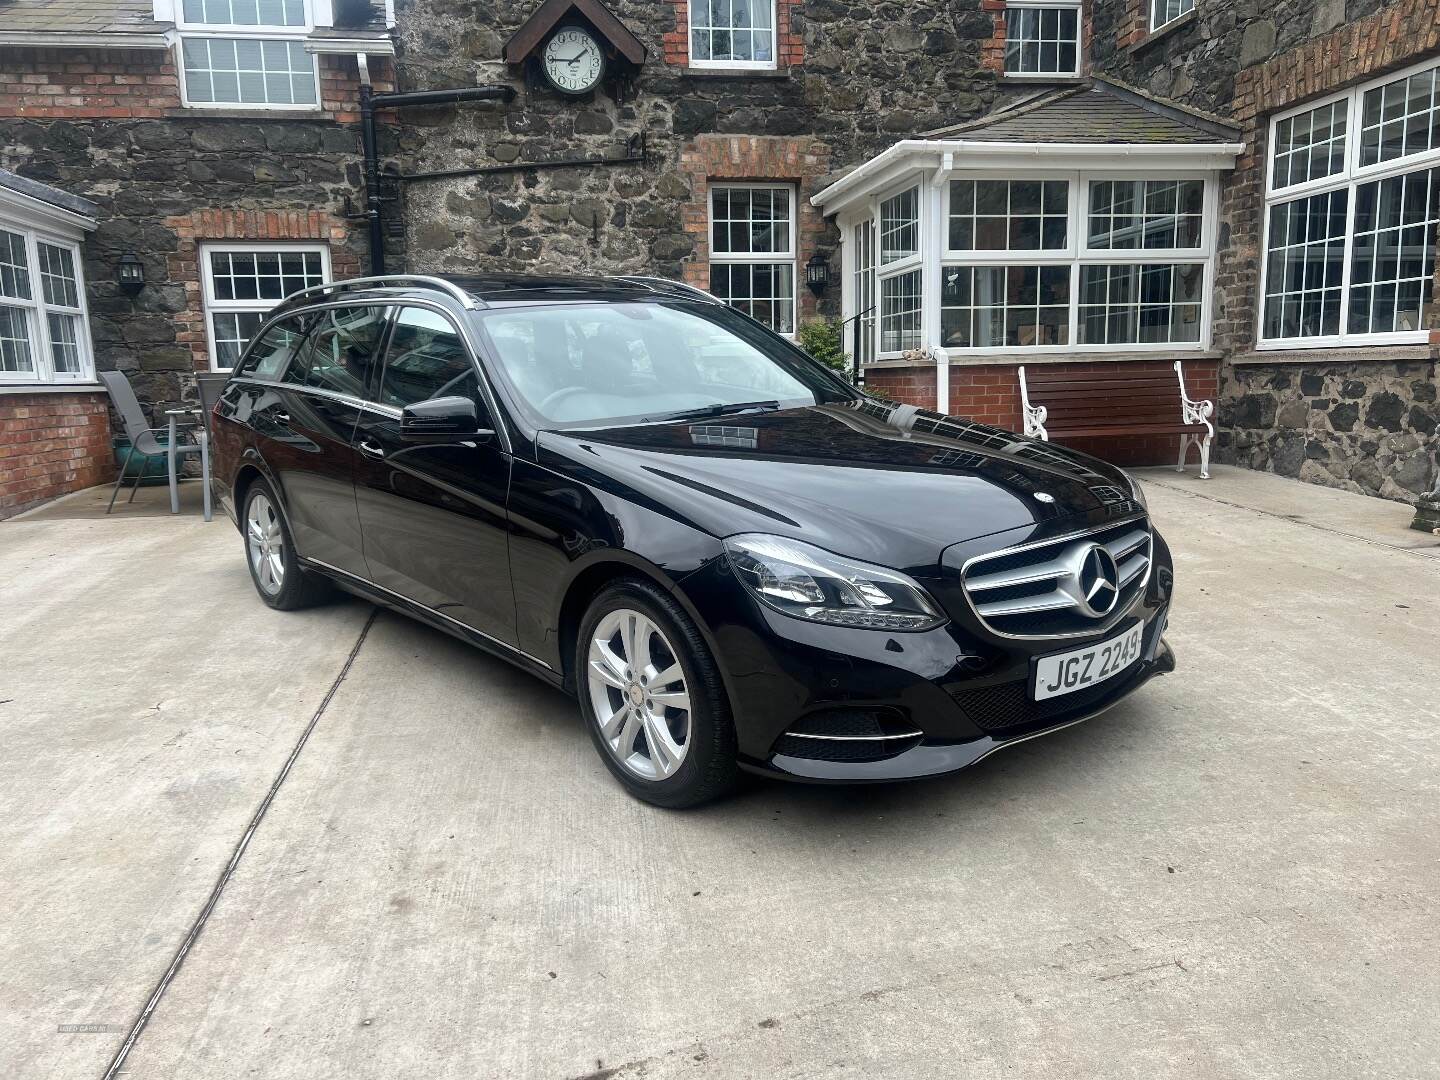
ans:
(1048, 589)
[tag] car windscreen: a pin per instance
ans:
(587, 365)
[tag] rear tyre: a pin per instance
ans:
(652, 698)
(270, 554)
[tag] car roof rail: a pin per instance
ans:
(465, 299)
(659, 284)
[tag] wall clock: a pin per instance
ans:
(573, 60)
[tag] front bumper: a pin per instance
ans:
(959, 692)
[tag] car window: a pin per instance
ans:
(579, 364)
(427, 359)
(342, 346)
(275, 349)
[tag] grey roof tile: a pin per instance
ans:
(78, 16)
(45, 193)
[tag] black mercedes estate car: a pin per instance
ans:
(729, 555)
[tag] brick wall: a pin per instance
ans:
(772, 159)
(51, 444)
(201, 226)
(790, 43)
(990, 394)
(118, 84)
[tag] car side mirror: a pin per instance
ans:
(442, 419)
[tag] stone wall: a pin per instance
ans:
(871, 74)
(108, 125)
(1366, 427)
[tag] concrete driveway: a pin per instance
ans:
(1233, 875)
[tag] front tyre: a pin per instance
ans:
(652, 698)
(270, 554)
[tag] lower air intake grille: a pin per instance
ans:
(853, 735)
(1006, 709)
(1070, 586)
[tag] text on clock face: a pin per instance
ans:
(572, 60)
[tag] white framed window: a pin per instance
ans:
(900, 278)
(44, 329)
(1163, 12)
(752, 251)
(1042, 38)
(242, 282)
(732, 33)
(901, 299)
(863, 290)
(1058, 261)
(900, 226)
(247, 54)
(1352, 207)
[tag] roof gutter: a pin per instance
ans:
(347, 46)
(974, 148)
(59, 39)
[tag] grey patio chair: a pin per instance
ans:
(143, 438)
(210, 386)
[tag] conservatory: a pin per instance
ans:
(1078, 226)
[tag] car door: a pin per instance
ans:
(433, 511)
(306, 431)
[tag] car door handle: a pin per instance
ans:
(369, 449)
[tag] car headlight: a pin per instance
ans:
(1136, 494)
(810, 583)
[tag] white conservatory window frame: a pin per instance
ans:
(1069, 5)
(212, 306)
(789, 258)
(916, 263)
(1352, 177)
(37, 325)
(735, 65)
(933, 258)
(189, 30)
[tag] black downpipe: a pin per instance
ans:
(369, 102)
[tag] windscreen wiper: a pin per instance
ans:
(705, 411)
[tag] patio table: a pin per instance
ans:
(173, 417)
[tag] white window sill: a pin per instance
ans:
(51, 388)
(1334, 354)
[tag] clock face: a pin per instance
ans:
(573, 61)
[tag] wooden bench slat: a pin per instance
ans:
(1127, 429)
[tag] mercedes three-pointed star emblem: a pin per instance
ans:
(1094, 581)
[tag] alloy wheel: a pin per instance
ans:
(638, 692)
(265, 543)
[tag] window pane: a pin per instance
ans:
(248, 72)
(1304, 259)
(340, 350)
(1013, 306)
(1392, 268)
(1156, 214)
(64, 343)
(1164, 11)
(427, 359)
(1041, 40)
(900, 226)
(262, 275)
(742, 31)
(1400, 118)
(1150, 303)
(58, 284)
(864, 281)
(749, 220)
(271, 355)
(1009, 215)
(246, 12)
(764, 291)
(15, 354)
(1309, 146)
(233, 331)
(900, 312)
(14, 270)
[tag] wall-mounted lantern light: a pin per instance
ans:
(130, 274)
(817, 273)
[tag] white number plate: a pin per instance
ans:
(1064, 673)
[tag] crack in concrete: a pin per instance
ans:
(118, 1062)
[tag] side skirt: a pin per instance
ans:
(366, 590)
